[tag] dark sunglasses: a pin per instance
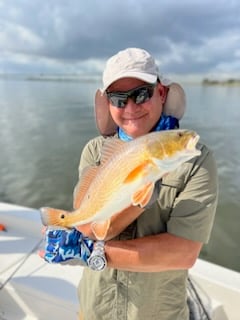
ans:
(139, 95)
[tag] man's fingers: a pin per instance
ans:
(43, 231)
(41, 253)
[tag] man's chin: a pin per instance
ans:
(135, 133)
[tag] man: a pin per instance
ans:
(148, 251)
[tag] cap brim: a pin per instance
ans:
(104, 120)
(149, 78)
(175, 103)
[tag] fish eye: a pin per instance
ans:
(62, 216)
(180, 134)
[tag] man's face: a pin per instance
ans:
(137, 119)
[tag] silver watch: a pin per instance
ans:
(97, 260)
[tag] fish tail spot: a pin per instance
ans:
(53, 217)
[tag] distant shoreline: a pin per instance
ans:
(97, 78)
(228, 82)
(51, 77)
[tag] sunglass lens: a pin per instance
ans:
(138, 95)
(118, 101)
(141, 95)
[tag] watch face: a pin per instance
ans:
(97, 263)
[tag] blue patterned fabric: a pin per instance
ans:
(165, 123)
(63, 245)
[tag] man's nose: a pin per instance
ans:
(131, 105)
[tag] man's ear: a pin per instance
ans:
(163, 92)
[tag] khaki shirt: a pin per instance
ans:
(185, 208)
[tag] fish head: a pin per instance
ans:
(172, 143)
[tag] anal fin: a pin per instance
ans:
(100, 229)
(143, 195)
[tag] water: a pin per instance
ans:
(45, 124)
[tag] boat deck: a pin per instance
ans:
(33, 289)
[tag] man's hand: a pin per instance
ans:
(66, 246)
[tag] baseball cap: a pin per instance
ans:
(130, 63)
(135, 63)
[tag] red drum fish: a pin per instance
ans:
(125, 177)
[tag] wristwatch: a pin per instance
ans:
(97, 260)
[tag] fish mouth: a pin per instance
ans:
(191, 145)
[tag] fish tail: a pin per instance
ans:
(53, 217)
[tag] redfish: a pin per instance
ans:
(125, 177)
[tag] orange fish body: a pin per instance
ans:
(126, 176)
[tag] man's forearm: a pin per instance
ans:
(153, 253)
(118, 222)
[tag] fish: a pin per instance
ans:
(126, 176)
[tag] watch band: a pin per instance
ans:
(97, 260)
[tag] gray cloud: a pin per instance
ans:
(185, 37)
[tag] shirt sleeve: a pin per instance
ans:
(89, 156)
(194, 207)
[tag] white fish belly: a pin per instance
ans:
(122, 199)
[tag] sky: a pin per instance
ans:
(191, 38)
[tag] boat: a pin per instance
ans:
(31, 289)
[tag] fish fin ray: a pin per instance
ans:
(100, 229)
(143, 195)
(110, 147)
(87, 176)
(53, 217)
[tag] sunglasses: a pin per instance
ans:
(139, 95)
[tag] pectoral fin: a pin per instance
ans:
(100, 229)
(143, 195)
(138, 172)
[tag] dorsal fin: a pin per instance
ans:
(110, 147)
(87, 176)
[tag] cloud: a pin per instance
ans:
(185, 37)
(15, 37)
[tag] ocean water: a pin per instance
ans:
(45, 124)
